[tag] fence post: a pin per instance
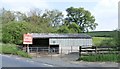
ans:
(68, 51)
(51, 51)
(80, 52)
(30, 49)
(95, 49)
(36, 52)
(71, 48)
(61, 52)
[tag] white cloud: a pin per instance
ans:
(106, 13)
(24, 5)
(65, 13)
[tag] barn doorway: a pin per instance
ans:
(55, 48)
(40, 42)
(40, 45)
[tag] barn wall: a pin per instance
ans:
(68, 44)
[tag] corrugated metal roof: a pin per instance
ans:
(51, 35)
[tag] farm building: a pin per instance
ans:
(61, 42)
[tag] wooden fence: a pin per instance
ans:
(98, 50)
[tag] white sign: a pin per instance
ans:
(27, 39)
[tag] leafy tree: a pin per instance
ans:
(63, 29)
(55, 17)
(19, 16)
(81, 17)
(34, 16)
(13, 32)
(74, 28)
(7, 16)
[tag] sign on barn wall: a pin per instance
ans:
(27, 39)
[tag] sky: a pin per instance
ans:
(104, 11)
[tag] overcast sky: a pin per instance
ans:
(105, 11)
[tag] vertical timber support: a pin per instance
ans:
(61, 53)
(71, 48)
(28, 51)
(95, 49)
(80, 51)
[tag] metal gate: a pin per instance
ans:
(43, 50)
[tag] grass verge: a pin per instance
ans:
(101, 58)
(12, 49)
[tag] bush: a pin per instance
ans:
(13, 31)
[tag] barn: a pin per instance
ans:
(61, 43)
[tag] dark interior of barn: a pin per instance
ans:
(43, 45)
(55, 48)
(40, 42)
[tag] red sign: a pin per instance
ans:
(27, 39)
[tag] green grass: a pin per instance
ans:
(102, 41)
(101, 58)
(12, 49)
(9, 49)
(102, 33)
(97, 41)
(0, 36)
(0, 47)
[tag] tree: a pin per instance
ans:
(35, 17)
(12, 32)
(63, 29)
(19, 16)
(7, 16)
(81, 17)
(55, 17)
(74, 28)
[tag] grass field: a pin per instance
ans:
(102, 41)
(102, 33)
(0, 37)
(0, 47)
(98, 40)
(0, 32)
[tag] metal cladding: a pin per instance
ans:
(64, 42)
(50, 35)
